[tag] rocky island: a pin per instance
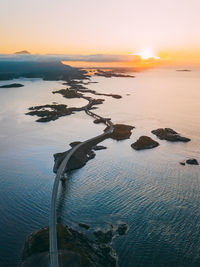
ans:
(144, 142)
(120, 131)
(169, 135)
(86, 152)
(75, 249)
(12, 85)
(112, 73)
(190, 162)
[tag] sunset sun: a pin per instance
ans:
(146, 54)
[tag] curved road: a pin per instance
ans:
(53, 249)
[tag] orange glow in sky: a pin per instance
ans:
(146, 54)
(168, 30)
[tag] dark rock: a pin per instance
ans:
(105, 248)
(58, 158)
(86, 90)
(192, 162)
(144, 142)
(169, 135)
(103, 237)
(84, 225)
(122, 228)
(50, 112)
(12, 85)
(121, 131)
(101, 120)
(77, 160)
(115, 96)
(182, 163)
(90, 155)
(73, 144)
(113, 73)
(80, 157)
(75, 249)
(99, 147)
(68, 93)
(96, 101)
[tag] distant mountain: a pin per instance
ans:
(47, 70)
(24, 52)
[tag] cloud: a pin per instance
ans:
(83, 58)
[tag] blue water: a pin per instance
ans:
(149, 190)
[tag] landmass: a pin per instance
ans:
(23, 52)
(190, 162)
(50, 70)
(122, 228)
(75, 249)
(120, 131)
(12, 85)
(112, 73)
(144, 142)
(169, 135)
(84, 225)
(51, 112)
(86, 152)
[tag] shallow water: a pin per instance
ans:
(149, 190)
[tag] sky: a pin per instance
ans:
(168, 28)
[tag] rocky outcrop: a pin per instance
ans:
(49, 112)
(122, 228)
(75, 249)
(84, 225)
(99, 147)
(81, 156)
(68, 93)
(77, 160)
(144, 142)
(113, 73)
(120, 132)
(192, 162)
(12, 85)
(101, 120)
(104, 237)
(169, 135)
(75, 143)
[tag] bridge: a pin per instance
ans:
(53, 249)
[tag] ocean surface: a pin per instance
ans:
(149, 190)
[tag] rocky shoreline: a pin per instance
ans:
(75, 249)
